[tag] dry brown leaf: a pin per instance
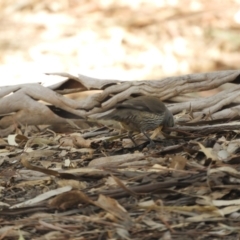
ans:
(110, 182)
(13, 232)
(42, 197)
(41, 153)
(233, 146)
(41, 182)
(153, 225)
(231, 171)
(80, 142)
(21, 139)
(206, 200)
(41, 141)
(122, 185)
(156, 132)
(204, 217)
(46, 164)
(115, 160)
(194, 210)
(127, 143)
(66, 142)
(219, 194)
(112, 206)
(69, 200)
(208, 152)
(3, 142)
(7, 174)
(73, 183)
(158, 168)
(178, 163)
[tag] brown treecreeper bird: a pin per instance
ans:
(141, 114)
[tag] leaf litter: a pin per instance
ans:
(91, 187)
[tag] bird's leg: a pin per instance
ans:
(131, 137)
(152, 143)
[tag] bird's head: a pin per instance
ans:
(169, 119)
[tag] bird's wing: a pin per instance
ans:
(146, 104)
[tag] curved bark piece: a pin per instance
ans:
(23, 106)
(26, 103)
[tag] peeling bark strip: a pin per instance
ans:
(27, 103)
